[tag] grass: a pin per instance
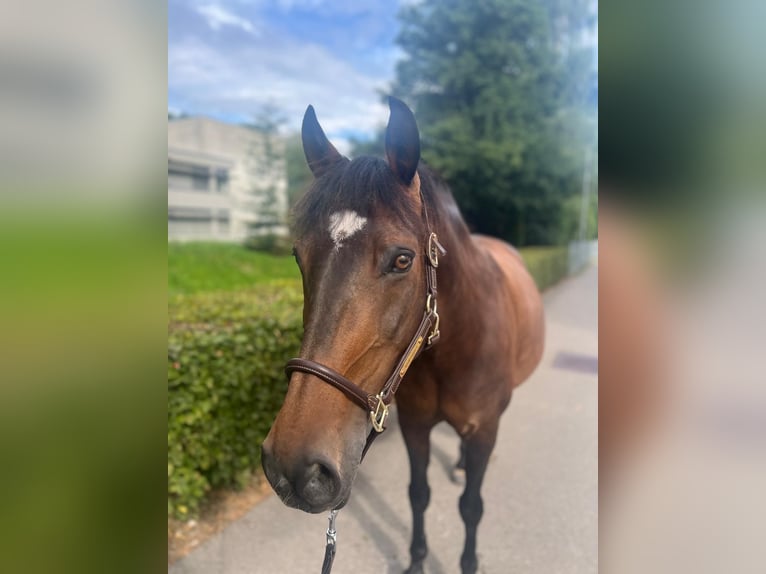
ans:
(207, 267)
(533, 255)
(548, 265)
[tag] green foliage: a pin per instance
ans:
(203, 267)
(499, 88)
(572, 211)
(375, 146)
(226, 354)
(548, 265)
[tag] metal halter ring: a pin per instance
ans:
(432, 311)
(379, 415)
(332, 534)
(435, 330)
(433, 250)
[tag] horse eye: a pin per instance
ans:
(402, 263)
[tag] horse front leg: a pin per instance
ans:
(477, 449)
(457, 472)
(417, 438)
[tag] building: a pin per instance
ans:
(223, 182)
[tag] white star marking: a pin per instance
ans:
(344, 224)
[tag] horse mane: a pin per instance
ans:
(363, 184)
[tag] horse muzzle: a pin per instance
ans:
(313, 485)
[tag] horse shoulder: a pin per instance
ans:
(525, 302)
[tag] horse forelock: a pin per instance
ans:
(343, 200)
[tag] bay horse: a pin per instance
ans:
(368, 240)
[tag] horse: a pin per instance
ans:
(370, 241)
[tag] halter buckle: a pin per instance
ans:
(434, 336)
(434, 249)
(379, 415)
(431, 310)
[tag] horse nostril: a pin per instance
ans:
(273, 475)
(320, 484)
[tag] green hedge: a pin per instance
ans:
(548, 265)
(226, 353)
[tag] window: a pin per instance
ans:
(222, 180)
(188, 177)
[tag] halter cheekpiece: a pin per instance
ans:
(425, 337)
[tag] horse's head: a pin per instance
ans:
(360, 248)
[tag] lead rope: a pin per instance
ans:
(329, 551)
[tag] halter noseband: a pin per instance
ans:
(425, 337)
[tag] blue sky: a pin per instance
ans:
(227, 58)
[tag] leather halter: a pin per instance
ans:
(425, 337)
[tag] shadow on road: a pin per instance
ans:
(378, 520)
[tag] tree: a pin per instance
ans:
(266, 168)
(299, 176)
(500, 112)
(374, 146)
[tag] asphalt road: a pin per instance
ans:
(540, 491)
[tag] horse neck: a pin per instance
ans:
(463, 270)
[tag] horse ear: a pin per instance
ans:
(320, 153)
(402, 141)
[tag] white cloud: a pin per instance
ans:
(194, 65)
(282, 71)
(217, 17)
